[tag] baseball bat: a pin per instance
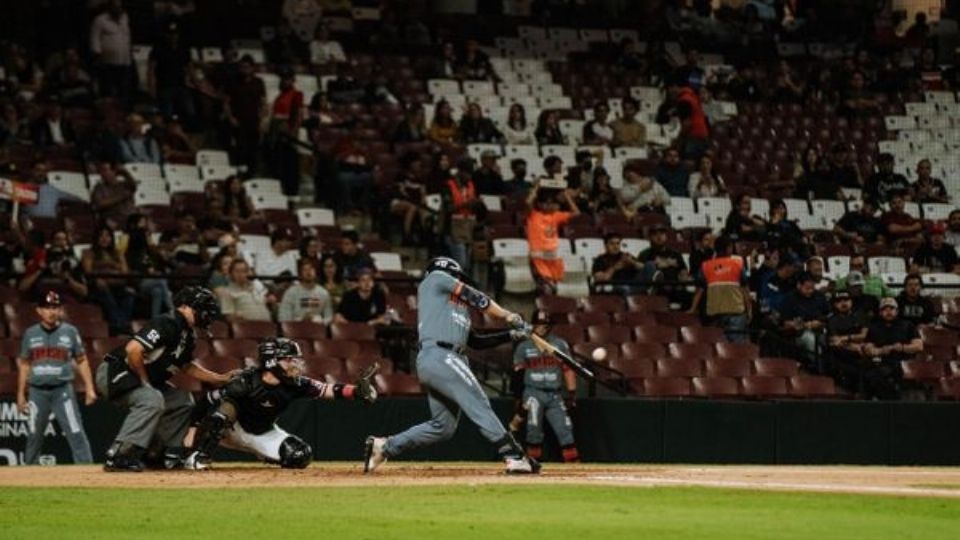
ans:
(567, 359)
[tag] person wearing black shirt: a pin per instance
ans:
(741, 225)
(616, 265)
(366, 303)
(840, 172)
(846, 331)
(889, 340)
(664, 263)
(884, 183)
(702, 251)
(915, 307)
(861, 226)
(802, 315)
(349, 258)
(168, 71)
(783, 232)
(487, 178)
(935, 255)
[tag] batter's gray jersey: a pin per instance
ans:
(51, 353)
(541, 370)
(441, 315)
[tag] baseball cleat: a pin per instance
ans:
(197, 462)
(122, 463)
(524, 465)
(373, 454)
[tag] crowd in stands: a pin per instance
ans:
(758, 187)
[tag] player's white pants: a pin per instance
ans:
(265, 445)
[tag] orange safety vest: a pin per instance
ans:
(462, 195)
(698, 120)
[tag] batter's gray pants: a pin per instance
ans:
(62, 401)
(157, 417)
(546, 403)
(451, 388)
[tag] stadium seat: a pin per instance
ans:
(303, 330)
(399, 384)
(221, 364)
(645, 303)
(92, 328)
(589, 318)
(101, 346)
(637, 368)
(253, 329)
(933, 336)
(571, 333)
(236, 348)
(642, 351)
(764, 387)
(664, 387)
(716, 387)
(810, 386)
(679, 367)
(655, 334)
(702, 334)
(747, 351)
(635, 318)
(586, 350)
(728, 367)
(352, 331)
(336, 348)
(356, 365)
(325, 368)
(923, 370)
(677, 319)
(608, 334)
(604, 303)
(691, 350)
(775, 367)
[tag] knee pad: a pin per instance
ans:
(295, 454)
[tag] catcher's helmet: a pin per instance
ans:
(447, 265)
(206, 309)
(272, 350)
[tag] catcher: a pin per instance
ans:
(242, 415)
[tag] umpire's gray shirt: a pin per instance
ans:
(441, 315)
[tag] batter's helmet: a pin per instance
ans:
(447, 265)
(272, 350)
(205, 307)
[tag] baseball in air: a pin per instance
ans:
(599, 354)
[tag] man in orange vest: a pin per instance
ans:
(460, 203)
(543, 234)
(724, 284)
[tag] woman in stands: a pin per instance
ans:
(236, 204)
(548, 129)
(443, 128)
(220, 271)
(518, 130)
(144, 257)
(109, 286)
(331, 279)
(704, 182)
(475, 129)
(603, 197)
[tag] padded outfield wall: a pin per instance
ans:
(610, 430)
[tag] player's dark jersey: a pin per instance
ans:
(168, 343)
(259, 404)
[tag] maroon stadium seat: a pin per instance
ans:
(923, 370)
(608, 334)
(556, 304)
(236, 348)
(634, 368)
(747, 351)
(648, 303)
(92, 328)
(677, 319)
(253, 329)
(399, 384)
(605, 303)
(635, 318)
(356, 365)
(939, 337)
(586, 349)
(679, 367)
(666, 387)
(764, 387)
(655, 334)
(221, 364)
(82, 312)
(101, 346)
(728, 367)
(354, 331)
(335, 348)
(811, 386)
(775, 367)
(319, 367)
(571, 333)
(642, 351)
(691, 350)
(716, 387)
(588, 318)
(702, 334)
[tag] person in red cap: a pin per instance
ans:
(935, 255)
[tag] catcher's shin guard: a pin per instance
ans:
(212, 429)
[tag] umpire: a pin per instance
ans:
(444, 301)
(48, 351)
(135, 378)
(543, 378)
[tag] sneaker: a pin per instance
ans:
(524, 465)
(122, 463)
(373, 454)
(197, 462)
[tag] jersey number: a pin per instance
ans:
(153, 336)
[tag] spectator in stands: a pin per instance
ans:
(286, 117)
(54, 268)
(413, 127)
(884, 183)
(741, 225)
(872, 285)
(857, 101)
(701, 251)
(354, 175)
(475, 129)
(112, 198)
(864, 305)
(311, 249)
(916, 35)
(787, 89)
(306, 300)
(324, 50)
(627, 131)
(13, 127)
(408, 196)
(683, 104)
(366, 303)
(629, 57)
(174, 143)
(111, 47)
(548, 129)
(784, 233)
(614, 264)
(935, 255)
(236, 203)
(245, 109)
(774, 291)
(802, 316)
(145, 258)
(928, 189)
(281, 259)
(728, 303)
(137, 146)
(861, 226)
(345, 89)
(460, 205)
(518, 130)
(331, 279)
(518, 184)
(350, 258)
(168, 71)
(598, 131)
(475, 64)
(543, 233)
(602, 196)
(889, 340)
(109, 287)
(186, 245)
(914, 306)
(553, 167)
(810, 176)
(641, 193)
(898, 224)
(71, 84)
(840, 172)
(705, 182)
(443, 128)
(441, 170)
(663, 263)
(846, 330)
(220, 273)
(814, 267)
(487, 178)
(52, 129)
(245, 299)
(448, 67)
(953, 228)
(672, 174)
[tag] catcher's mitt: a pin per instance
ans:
(366, 387)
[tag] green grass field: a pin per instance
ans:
(465, 512)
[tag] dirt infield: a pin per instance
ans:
(902, 481)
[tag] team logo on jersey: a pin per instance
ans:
(267, 404)
(65, 341)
